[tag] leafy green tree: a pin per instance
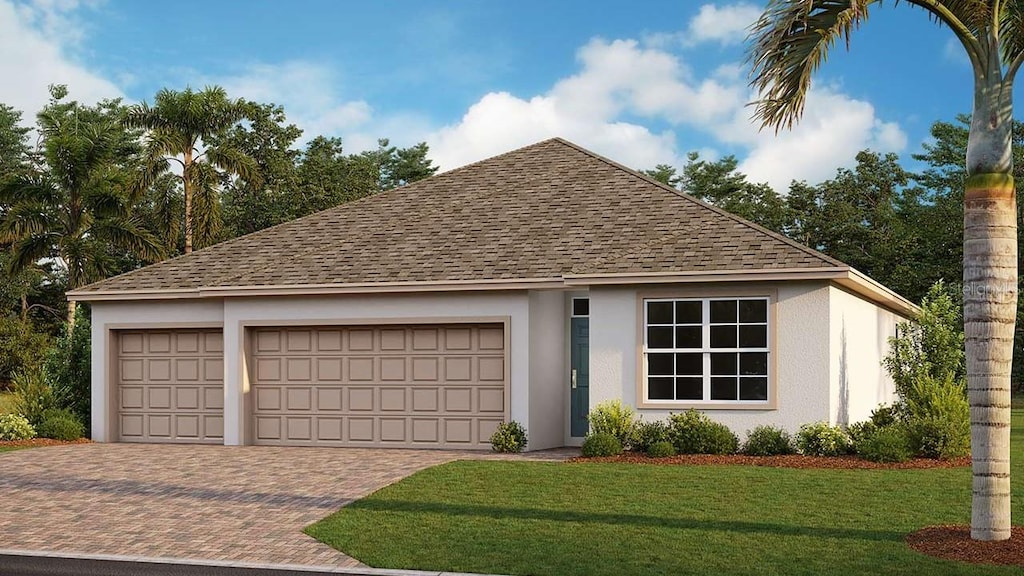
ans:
(664, 173)
(14, 149)
(176, 126)
(74, 206)
(790, 40)
(269, 140)
(721, 184)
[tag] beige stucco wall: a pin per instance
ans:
(828, 347)
(548, 390)
(802, 349)
(858, 341)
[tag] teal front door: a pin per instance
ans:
(579, 378)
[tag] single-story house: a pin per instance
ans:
(529, 287)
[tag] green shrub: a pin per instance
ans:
(509, 437)
(938, 418)
(60, 424)
(615, 418)
(860, 432)
(821, 439)
(884, 416)
(601, 444)
(32, 396)
(21, 348)
(15, 427)
(648, 434)
(68, 368)
(661, 449)
(931, 346)
(768, 441)
(888, 444)
(692, 432)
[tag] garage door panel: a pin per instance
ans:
(170, 386)
(415, 386)
(299, 398)
(213, 427)
(329, 399)
(329, 369)
(213, 399)
(361, 399)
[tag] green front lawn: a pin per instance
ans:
(549, 518)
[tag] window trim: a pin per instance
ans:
(572, 307)
(707, 293)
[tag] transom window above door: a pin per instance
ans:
(706, 350)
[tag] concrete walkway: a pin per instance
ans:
(223, 503)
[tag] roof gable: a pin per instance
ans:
(539, 212)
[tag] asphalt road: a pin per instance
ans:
(11, 565)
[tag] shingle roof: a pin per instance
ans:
(542, 211)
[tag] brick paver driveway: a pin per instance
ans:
(210, 502)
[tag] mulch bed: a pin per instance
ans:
(954, 543)
(794, 461)
(36, 442)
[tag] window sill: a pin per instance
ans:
(675, 406)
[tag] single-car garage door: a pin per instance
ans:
(170, 386)
(431, 386)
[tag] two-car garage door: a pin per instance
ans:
(438, 386)
(431, 386)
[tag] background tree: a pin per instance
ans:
(176, 126)
(790, 41)
(721, 184)
(74, 206)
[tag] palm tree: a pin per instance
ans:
(177, 124)
(789, 41)
(74, 207)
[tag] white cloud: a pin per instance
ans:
(37, 42)
(833, 129)
(500, 122)
(723, 24)
(621, 78)
(307, 92)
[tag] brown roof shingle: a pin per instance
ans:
(542, 211)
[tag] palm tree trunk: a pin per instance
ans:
(990, 296)
(186, 177)
(990, 308)
(72, 308)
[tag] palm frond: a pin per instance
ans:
(129, 234)
(206, 206)
(790, 41)
(1011, 35)
(26, 219)
(235, 161)
(792, 38)
(29, 250)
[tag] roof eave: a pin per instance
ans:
(316, 289)
(848, 278)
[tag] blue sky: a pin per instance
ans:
(641, 82)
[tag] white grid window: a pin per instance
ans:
(706, 350)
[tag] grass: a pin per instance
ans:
(547, 518)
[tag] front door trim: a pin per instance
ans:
(579, 366)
